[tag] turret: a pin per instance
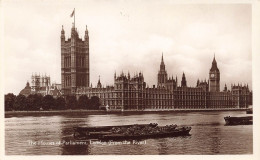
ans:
(99, 85)
(27, 84)
(198, 82)
(225, 88)
(115, 76)
(62, 34)
(183, 81)
(86, 34)
(128, 75)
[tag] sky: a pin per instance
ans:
(129, 36)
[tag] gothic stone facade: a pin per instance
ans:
(132, 93)
(74, 61)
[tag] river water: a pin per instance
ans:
(53, 135)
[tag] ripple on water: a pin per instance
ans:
(209, 135)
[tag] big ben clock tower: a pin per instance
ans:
(214, 77)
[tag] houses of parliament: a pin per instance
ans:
(132, 92)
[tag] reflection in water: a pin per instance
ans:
(163, 148)
(69, 148)
(208, 134)
(215, 143)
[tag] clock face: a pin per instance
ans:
(212, 75)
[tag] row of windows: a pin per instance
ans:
(220, 98)
(67, 62)
(193, 91)
(166, 103)
(80, 48)
(113, 94)
(132, 95)
(134, 103)
(220, 103)
(67, 81)
(80, 62)
(190, 97)
(81, 81)
(169, 103)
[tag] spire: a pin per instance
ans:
(99, 83)
(162, 66)
(128, 75)
(62, 33)
(162, 56)
(183, 81)
(86, 31)
(214, 59)
(214, 66)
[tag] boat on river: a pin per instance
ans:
(246, 120)
(125, 132)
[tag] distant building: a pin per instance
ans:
(27, 90)
(41, 85)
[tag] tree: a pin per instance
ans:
(71, 102)
(20, 103)
(48, 102)
(83, 102)
(60, 103)
(34, 102)
(94, 103)
(9, 101)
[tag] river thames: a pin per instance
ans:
(53, 134)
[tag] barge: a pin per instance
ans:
(125, 132)
(247, 120)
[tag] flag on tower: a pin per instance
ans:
(72, 14)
